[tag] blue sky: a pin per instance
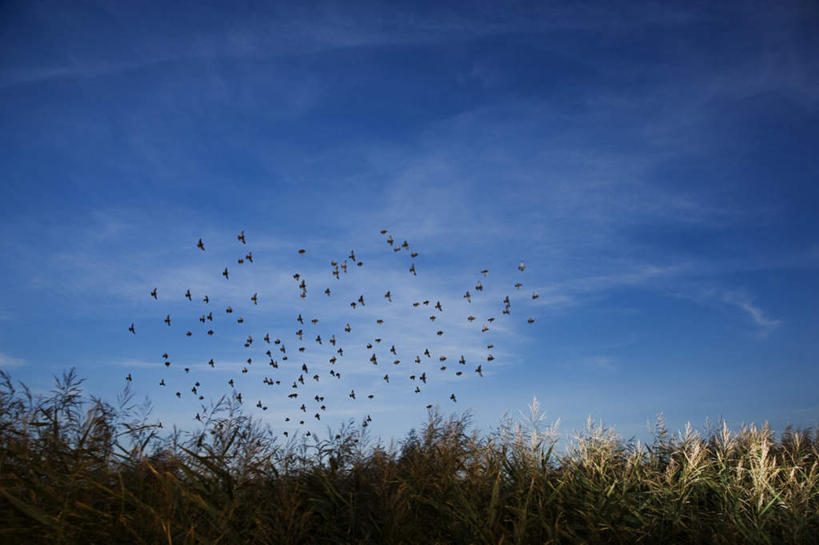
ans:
(653, 164)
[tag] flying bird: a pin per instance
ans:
(153, 293)
(200, 245)
(241, 237)
(225, 274)
(131, 328)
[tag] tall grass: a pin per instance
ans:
(79, 470)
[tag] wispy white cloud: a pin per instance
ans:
(9, 362)
(746, 304)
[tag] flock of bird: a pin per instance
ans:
(308, 404)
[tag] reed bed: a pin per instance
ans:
(76, 469)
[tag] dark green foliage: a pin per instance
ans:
(74, 470)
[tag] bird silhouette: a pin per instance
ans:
(153, 293)
(131, 328)
(168, 320)
(226, 274)
(241, 237)
(200, 245)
